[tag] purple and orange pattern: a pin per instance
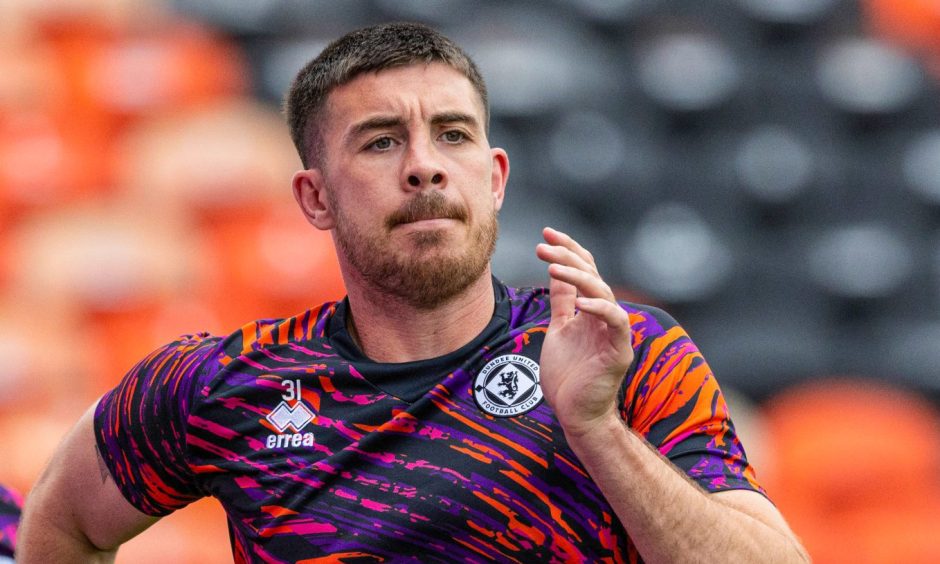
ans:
(385, 472)
(10, 508)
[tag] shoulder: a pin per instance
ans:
(658, 338)
(649, 322)
(172, 371)
(532, 304)
(194, 360)
(528, 305)
(184, 358)
(265, 333)
(10, 500)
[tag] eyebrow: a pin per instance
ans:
(387, 122)
(380, 122)
(454, 117)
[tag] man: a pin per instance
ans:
(434, 414)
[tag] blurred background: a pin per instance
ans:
(768, 171)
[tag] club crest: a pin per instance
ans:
(508, 386)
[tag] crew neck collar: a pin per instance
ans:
(411, 380)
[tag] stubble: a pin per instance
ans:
(434, 271)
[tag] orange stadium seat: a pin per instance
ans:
(854, 465)
(208, 160)
(269, 263)
(144, 70)
(101, 261)
(49, 154)
(45, 355)
(120, 338)
(914, 24)
(196, 534)
(227, 167)
(90, 79)
(30, 75)
(46, 161)
(30, 436)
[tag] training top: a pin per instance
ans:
(10, 504)
(317, 452)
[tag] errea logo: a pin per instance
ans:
(284, 417)
(291, 414)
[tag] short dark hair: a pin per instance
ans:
(370, 49)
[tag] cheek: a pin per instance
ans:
(475, 173)
(359, 189)
(368, 213)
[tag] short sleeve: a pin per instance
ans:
(140, 425)
(10, 508)
(673, 399)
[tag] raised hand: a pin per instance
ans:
(587, 349)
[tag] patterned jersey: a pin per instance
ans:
(318, 453)
(10, 504)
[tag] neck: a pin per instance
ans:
(389, 330)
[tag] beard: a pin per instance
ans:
(434, 272)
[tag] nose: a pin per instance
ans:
(422, 168)
(414, 180)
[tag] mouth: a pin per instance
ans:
(430, 211)
(428, 223)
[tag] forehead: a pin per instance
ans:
(425, 88)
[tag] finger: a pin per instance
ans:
(587, 284)
(561, 296)
(614, 316)
(562, 255)
(553, 236)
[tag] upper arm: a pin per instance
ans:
(674, 401)
(141, 426)
(123, 464)
(76, 497)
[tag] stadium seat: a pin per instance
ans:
(912, 24)
(145, 70)
(205, 161)
(853, 463)
(267, 262)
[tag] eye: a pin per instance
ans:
(381, 144)
(453, 136)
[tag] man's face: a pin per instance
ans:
(411, 183)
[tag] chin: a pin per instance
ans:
(429, 239)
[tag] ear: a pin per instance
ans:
(500, 176)
(310, 193)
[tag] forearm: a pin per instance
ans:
(668, 517)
